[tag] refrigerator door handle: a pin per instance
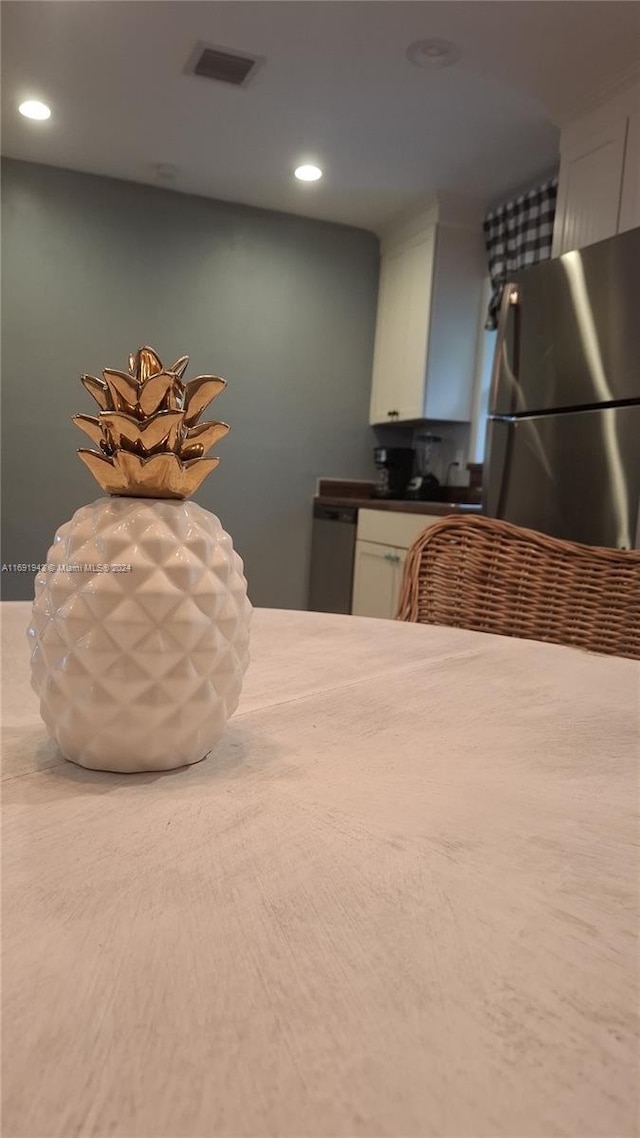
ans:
(503, 373)
(496, 468)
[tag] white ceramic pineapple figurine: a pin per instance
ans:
(140, 626)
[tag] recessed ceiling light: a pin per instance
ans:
(308, 173)
(433, 53)
(34, 109)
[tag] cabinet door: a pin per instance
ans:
(402, 326)
(374, 581)
(387, 338)
(419, 262)
(589, 189)
(397, 580)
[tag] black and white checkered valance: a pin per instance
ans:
(518, 234)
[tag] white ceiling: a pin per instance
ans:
(335, 87)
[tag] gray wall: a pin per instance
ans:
(282, 307)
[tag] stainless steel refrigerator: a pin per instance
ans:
(563, 435)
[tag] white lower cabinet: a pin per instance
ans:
(377, 579)
(397, 581)
(383, 539)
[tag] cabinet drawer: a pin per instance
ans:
(387, 527)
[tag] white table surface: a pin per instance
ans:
(399, 898)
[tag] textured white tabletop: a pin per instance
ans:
(399, 898)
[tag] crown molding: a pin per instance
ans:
(622, 84)
(452, 210)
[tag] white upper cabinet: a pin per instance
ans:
(589, 192)
(599, 185)
(404, 299)
(429, 296)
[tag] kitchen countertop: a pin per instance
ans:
(432, 508)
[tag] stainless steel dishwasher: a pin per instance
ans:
(333, 550)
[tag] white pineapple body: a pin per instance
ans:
(140, 634)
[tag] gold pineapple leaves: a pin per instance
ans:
(97, 388)
(91, 427)
(151, 444)
(161, 476)
(199, 394)
(154, 435)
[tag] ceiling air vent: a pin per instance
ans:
(219, 63)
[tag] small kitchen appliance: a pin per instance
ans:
(426, 485)
(395, 467)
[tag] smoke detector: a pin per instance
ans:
(433, 53)
(222, 64)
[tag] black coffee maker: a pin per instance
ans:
(395, 467)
